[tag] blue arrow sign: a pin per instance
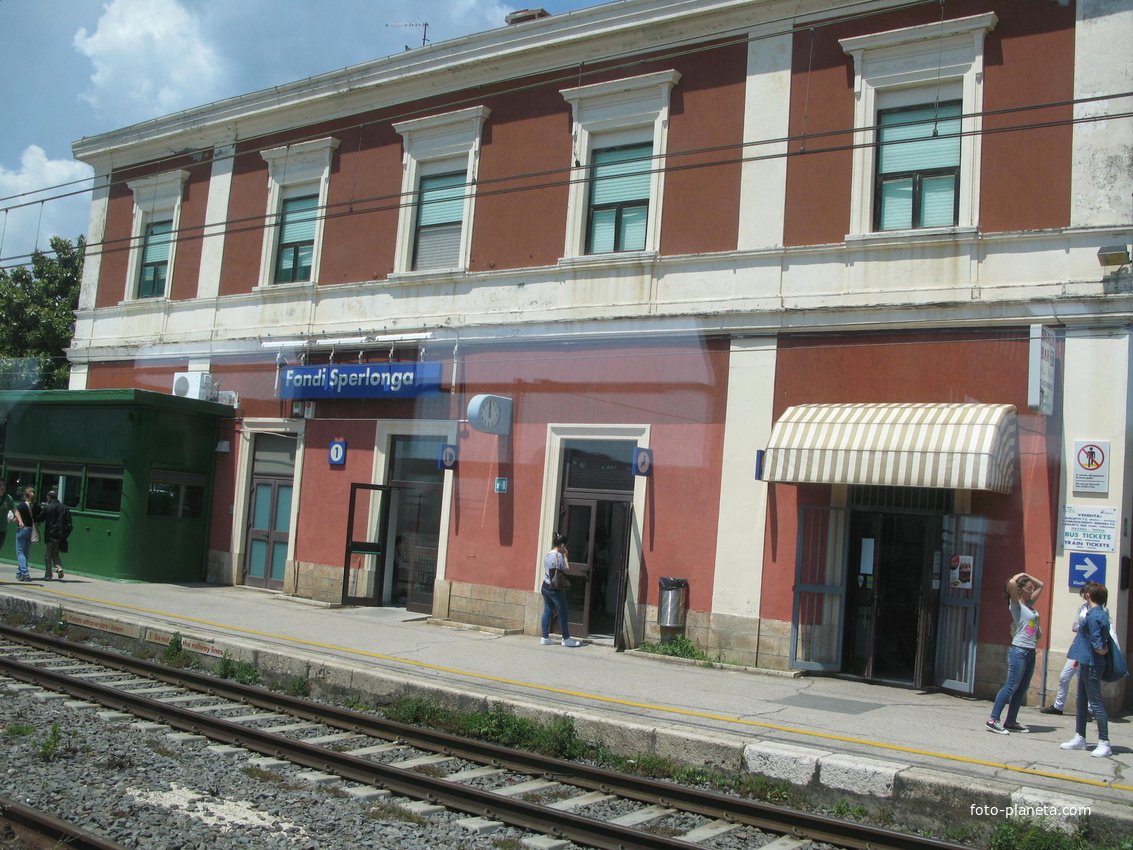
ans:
(1086, 566)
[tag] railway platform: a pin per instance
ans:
(922, 755)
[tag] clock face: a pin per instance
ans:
(490, 412)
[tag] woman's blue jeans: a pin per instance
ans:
(1020, 668)
(555, 600)
(23, 544)
(1090, 692)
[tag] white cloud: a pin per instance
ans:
(150, 59)
(24, 222)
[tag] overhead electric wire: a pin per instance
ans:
(394, 201)
(669, 50)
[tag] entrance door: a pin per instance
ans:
(597, 532)
(891, 597)
(269, 511)
(366, 578)
(415, 519)
(269, 531)
(960, 580)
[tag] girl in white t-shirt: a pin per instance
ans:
(1022, 591)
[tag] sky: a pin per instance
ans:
(74, 68)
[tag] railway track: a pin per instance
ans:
(491, 784)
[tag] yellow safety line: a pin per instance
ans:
(612, 700)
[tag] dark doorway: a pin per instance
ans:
(892, 597)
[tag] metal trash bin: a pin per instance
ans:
(671, 606)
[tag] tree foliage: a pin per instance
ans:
(37, 317)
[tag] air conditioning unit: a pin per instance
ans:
(196, 385)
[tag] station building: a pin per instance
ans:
(822, 309)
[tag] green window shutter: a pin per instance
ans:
(621, 174)
(159, 239)
(441, 199)
(920, 139)
(298, 221)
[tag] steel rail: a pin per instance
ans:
(670, 795)
(51, 827)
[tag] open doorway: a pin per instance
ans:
(892, 597)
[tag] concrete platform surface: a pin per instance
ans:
(835, 738)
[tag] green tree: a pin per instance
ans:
(37, 317)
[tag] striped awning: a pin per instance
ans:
(949, 446)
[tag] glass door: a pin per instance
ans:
(366, 577)
(269, 531)
(415, 520)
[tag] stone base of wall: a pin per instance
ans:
(314, 581)
(218, 568)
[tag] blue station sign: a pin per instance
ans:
(371, 380)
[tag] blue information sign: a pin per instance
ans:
(372, 380)
(337, 453)
(1086, 566)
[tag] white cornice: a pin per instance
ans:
(598, 33)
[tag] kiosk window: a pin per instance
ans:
(104, 488)
(176, 494)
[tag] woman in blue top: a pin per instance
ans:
(1089, 650)
(1021, 591)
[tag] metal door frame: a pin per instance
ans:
(822, 552)
(958, 618)
(272, 535)
(377, 548)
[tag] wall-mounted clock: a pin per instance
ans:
(490, 414)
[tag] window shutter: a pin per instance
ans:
(438, 247)
(908, 143)
(299, 218)
(621, 174)
(441, 199)
(159, 239)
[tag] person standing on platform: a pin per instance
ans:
(1071, 666)
(26, 516)
(1022, 591)
(1089, 650)
(7, 511)
(554, 597)
(57, 527)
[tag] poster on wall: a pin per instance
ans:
(960, 572)
(1089, 529)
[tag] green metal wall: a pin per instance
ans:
(138, 431)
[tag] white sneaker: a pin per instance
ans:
(1075, 743)
(547, 641)
(570, 642)
(1102, 750)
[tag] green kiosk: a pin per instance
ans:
(135, 467)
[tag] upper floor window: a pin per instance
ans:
(295, 254)
(917, 114)
(440, 221)
(298, 184)
(617, 188)
(155, 259)
(157, 215)
(918, 167)
(619, 199)
(441, 160)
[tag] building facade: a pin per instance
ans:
(805, 305)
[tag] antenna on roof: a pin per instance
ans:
(424, 31)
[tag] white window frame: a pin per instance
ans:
(156, 198)
(918, 65)
(436, 145)
(294, 171)
(621, 112)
